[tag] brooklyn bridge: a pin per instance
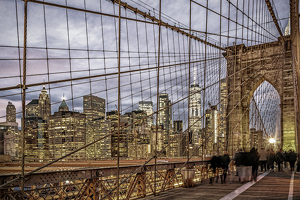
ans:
(134, 99)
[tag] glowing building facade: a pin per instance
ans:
(67, 132)
(9, 135)
(195, 115)
(223, 113)
(93, 107)
(96, 127)
(37, 116)
(212, 130)
(44, 106)
(165, 116)
(147, 106)
(138, 134)
(123, 130)
(10, 112)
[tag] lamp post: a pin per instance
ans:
(272, 142)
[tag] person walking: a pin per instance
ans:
(298, 163)
(292, 159)
(280, 159)
(225, 159)
(270, 160)
(286, 159)
(254, 159)
(263, 160)
(214, 163)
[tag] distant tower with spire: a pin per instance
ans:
(288, 28)
(44, 105)
(39, 107)
(63, 106)
(10, 112)
(195, 112)
(38, 113)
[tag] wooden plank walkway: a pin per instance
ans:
(275, 185)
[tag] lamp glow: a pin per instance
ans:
(272, 140)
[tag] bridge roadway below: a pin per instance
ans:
(273, 186)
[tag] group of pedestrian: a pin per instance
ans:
(251, 158)
(220, 162)
(265, 159)
(269, 158)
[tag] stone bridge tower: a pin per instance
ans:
(247, 68)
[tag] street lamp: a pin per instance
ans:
(272, 140)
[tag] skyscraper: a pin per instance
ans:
(37, 116)
(176, 138)
(178, 126)
(32, 108)
(39, 107)
(182, 138)
(212, 130)
(112, 116)
(96, 127)
(165, 116)
(195, 114)
(148, 107)
(9, 136)
(138, 134)
(9, 133)
(223, 113)
(63, 106)
(10, 112)
(36, 138)
(215, 125)
(159, 145)
(67, 132)
(207, 140)
(93, 107)
(44, 105)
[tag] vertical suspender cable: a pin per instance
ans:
(231, 134)
(189, 82)
(205, 46)
(119, 100)
(71, 77)
(24, 97)
(221, 122)
(157, 97)
(235, 65)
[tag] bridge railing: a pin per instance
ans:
(100, 183)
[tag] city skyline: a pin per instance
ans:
(48, 143)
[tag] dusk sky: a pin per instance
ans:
(68, 44)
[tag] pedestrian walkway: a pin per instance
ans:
(273, 185)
